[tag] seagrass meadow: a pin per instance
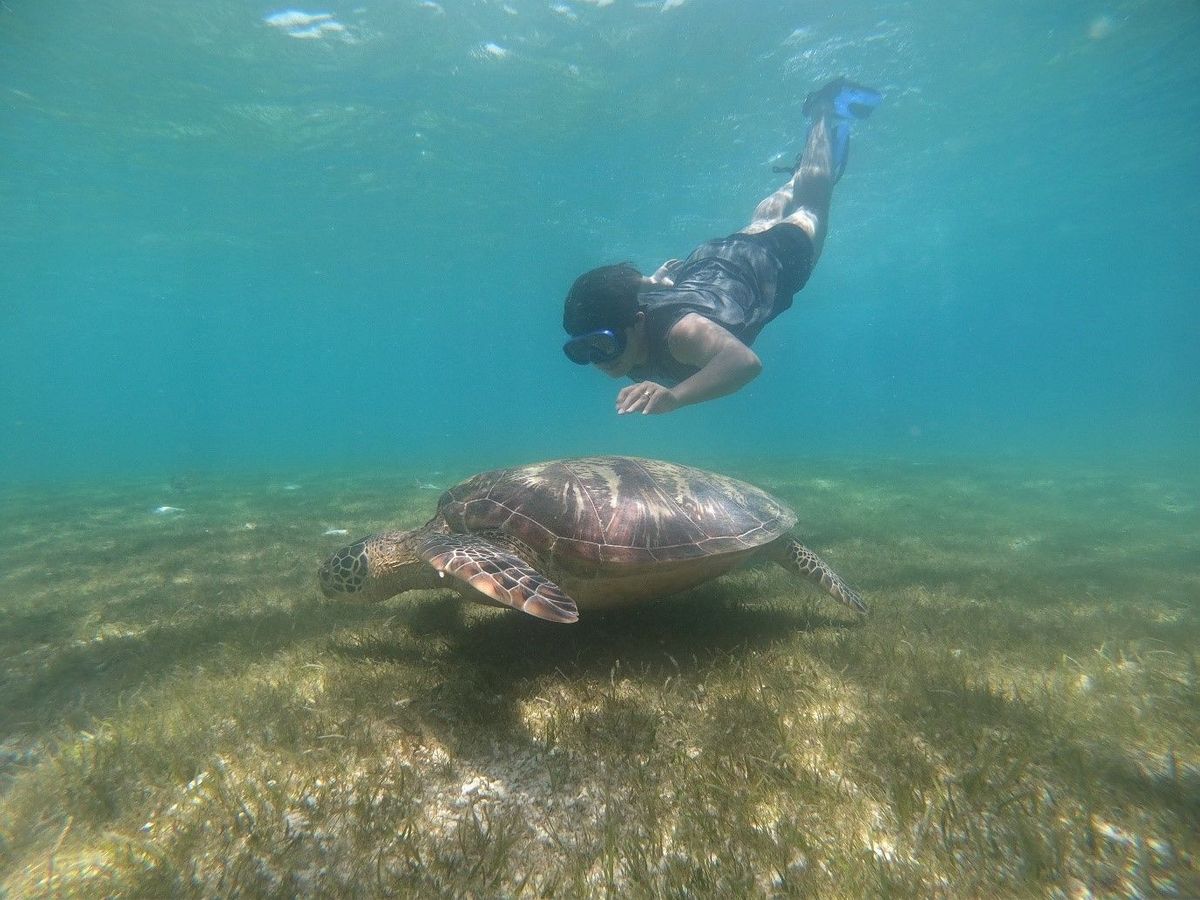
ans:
(182, 714)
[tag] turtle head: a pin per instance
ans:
(376, 567)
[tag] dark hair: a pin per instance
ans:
(602, 298)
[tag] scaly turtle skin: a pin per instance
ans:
(592, 532)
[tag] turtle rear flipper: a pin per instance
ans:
(799, 560)
(499, 573)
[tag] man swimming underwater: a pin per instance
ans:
(684, 333)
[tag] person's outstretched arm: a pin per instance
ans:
(726, 365)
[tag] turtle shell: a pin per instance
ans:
(616, 510)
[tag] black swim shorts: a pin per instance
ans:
(793, 249)
(742, 281)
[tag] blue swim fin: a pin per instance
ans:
(841, 100)
(844, 98)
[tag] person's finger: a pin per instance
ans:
(637, 399)
(626, 396)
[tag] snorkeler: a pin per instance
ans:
(684, 333)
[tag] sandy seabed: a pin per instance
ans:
(182, 713)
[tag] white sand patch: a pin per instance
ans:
(513, 782)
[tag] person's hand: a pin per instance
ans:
(646, 397)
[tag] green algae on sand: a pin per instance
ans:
(181, 713)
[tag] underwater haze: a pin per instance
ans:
(273, 278)
(237, 236)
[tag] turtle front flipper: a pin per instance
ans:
(799, 560)
(499, 573)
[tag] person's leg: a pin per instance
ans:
(804, 200)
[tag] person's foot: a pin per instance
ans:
(836, 104)
(844, 99)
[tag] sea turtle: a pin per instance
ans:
(593, 532)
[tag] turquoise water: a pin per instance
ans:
(232, 245)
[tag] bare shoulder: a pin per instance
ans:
(694, 326)
(694, 339)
